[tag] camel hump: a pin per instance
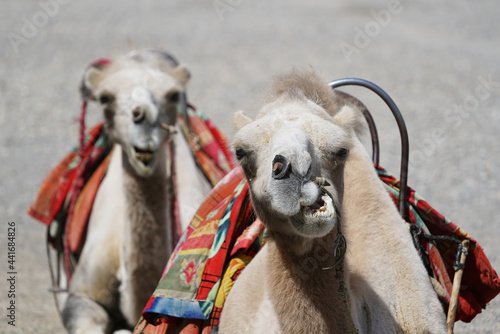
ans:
(300, 83)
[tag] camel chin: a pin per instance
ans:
(315, 220)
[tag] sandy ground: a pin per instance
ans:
(439, 60)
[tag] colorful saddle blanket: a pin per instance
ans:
(225, 235)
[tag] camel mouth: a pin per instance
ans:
(144, 156)
(322, 208)
(317, 219)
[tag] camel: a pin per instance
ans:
(313, 184)
(128, 238)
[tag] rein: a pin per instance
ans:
(339, 250)
(339, 253)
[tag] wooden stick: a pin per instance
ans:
(452, 311)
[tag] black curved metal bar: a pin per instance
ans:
(405, 146)
(374, 135)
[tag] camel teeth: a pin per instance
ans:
(144, 157)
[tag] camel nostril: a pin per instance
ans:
(277, 168)
(281, 167)
(138, 115)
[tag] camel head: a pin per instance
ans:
(139, 95)
(293, 156)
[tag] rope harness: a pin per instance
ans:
(417, 232)
(339, 250)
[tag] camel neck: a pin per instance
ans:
(147, 237)
(146, 198)
(293, 247)
(366, 194)
(298, 282)
(146, 205)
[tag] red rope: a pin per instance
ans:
(176, 228)
(77, 185)
(79, 182)
(82, 128)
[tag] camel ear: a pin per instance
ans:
(182, 74)
(351, 119)
(240, 119)
(91, 79)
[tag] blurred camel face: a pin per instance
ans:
(137, 99)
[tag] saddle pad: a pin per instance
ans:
(219, 242)
(480, 282)
(55, 187)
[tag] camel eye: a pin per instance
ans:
(173, 97)
(246, 160)
(342, 153)
(105, 98)
(240, 153)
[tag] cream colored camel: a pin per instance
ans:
(303, 162)
(128, 240)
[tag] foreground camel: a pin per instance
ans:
(311, 181)
(128, 239)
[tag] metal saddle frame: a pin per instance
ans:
(405, 146)
(403, 203)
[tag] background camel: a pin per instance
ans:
(129, 233)
(294, 284)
